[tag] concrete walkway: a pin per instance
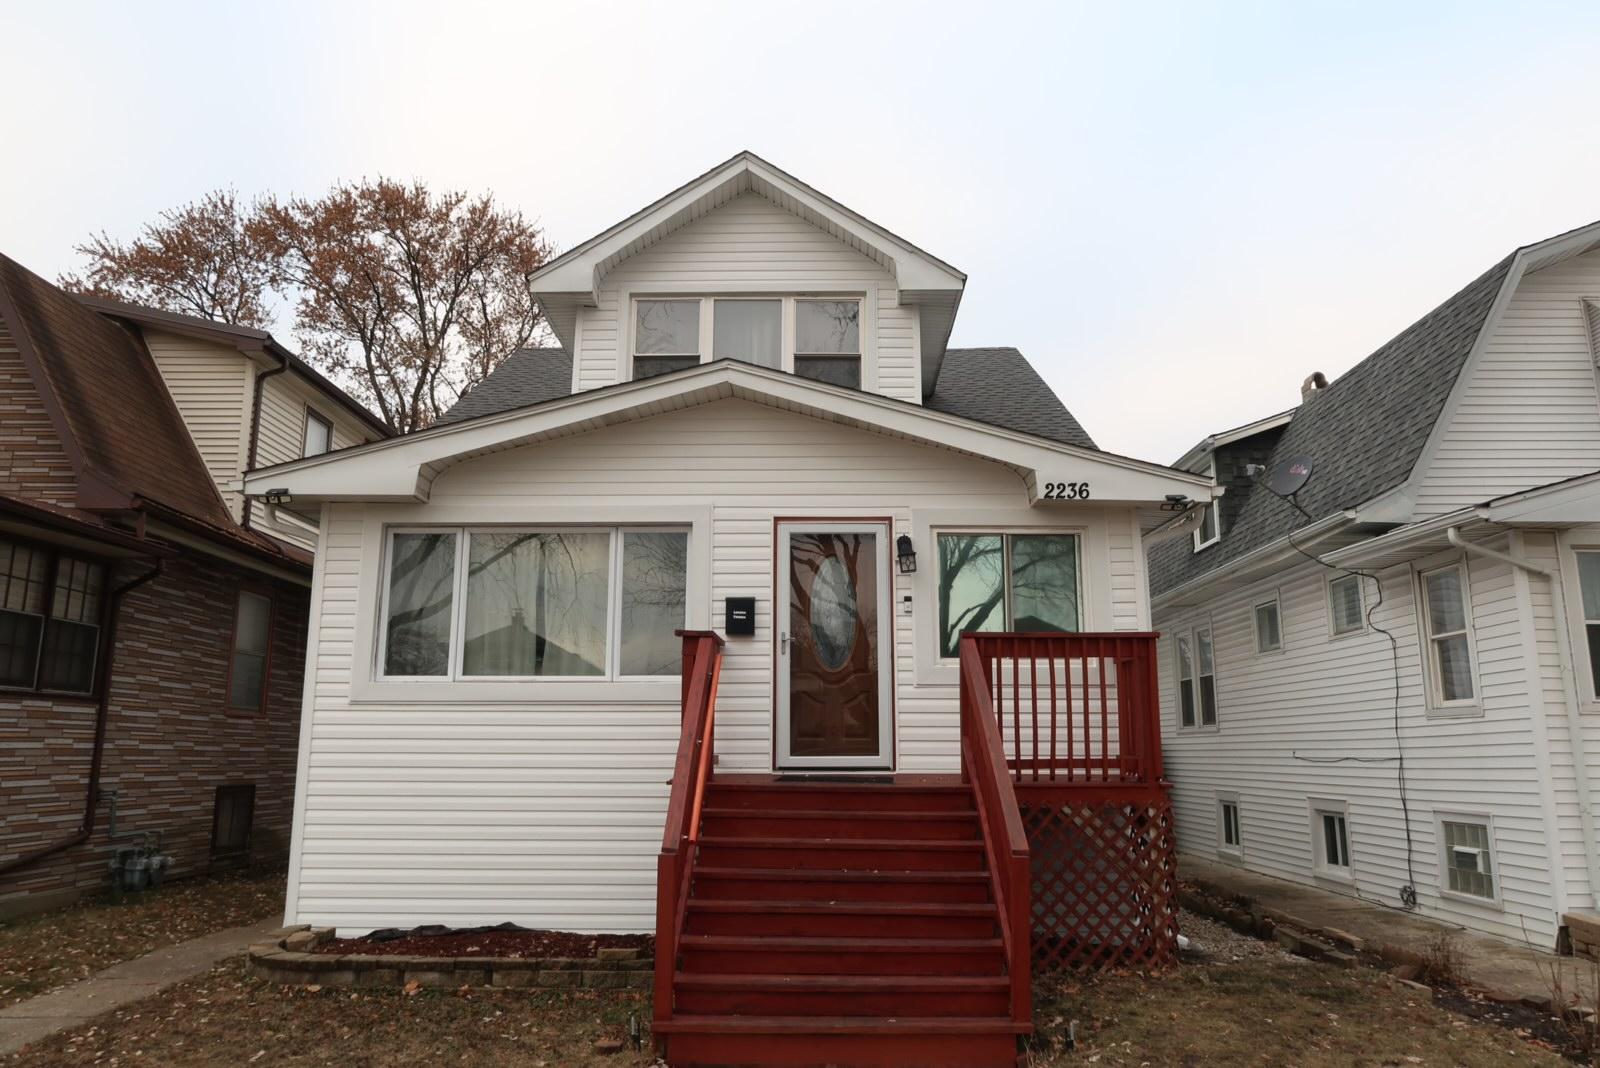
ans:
(1505, 971)
(44, 1015)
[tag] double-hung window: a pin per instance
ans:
(1346, 613)
(1197, 678)
(666, 336)
(999, 582)
(827, 341)
(252, 640)
(318, 435)
(814, 337)
(49, 619)
(1446, 620)
(1268, 625)
(1589, 588)
(516, 603)
(1330, 830)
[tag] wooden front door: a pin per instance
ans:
(834, 645)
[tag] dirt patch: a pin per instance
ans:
(511, 944)
(40, 953)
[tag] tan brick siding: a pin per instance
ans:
(170, 739)
(33, 462)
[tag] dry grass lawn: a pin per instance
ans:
(40, 953)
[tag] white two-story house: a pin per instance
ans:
(1390, 687)
(753, 425)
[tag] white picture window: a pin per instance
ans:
(1197, 678)
(1268, 625)
(1468, 856)
(1445, 616)
(504, 603)
(666, 336)
(748, 330)
(1000, 582)
(1330, 829)
(1589, 588)
(318, 436)
(1230, 837)
(1209, 532)
(1346, 609)
(816, 337)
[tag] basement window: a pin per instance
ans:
(1330, 829)
(1230, 837)
(49, 619)
(1467, 860)
(232, 816)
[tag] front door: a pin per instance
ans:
(835, 653)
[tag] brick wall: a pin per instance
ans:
(32, 461)
(170, 739)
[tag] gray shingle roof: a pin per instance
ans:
(1364, 432)
(999, 386)
(992, 385)
(528, 376)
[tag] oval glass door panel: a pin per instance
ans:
(834, 615)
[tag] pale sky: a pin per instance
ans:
(1177, 211)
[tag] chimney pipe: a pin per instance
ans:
(1314, 382)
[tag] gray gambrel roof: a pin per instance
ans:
(1364, 432)
(996, 386)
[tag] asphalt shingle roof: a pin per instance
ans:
(990, 385)
(1364, 432)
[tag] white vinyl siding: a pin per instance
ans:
(212, 386)
(750, 246)
(547, 810)
(285, 399)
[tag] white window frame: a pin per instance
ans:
(707, 301)
(1484, 820)
(1226, 800)
(1256, 604)
(1192, 634)
(312, 415)
(1319, 807)
(1578, 622)
(1437, 705)
(458, 605)
(1329, 581)
(1004, 533)
(1213, 510)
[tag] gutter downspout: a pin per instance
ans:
(101, 714)
(255, 427)
(1569, 687)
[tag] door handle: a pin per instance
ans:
(783, 643)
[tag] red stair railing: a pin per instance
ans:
(702, 666)
(983, 765)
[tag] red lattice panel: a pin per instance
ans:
(1104, 880)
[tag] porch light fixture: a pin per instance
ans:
(277, 497)
(904, 555)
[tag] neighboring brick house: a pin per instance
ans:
(152, 622)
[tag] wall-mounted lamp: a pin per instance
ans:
(905, 555)
(277, 497)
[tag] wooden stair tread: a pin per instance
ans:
(937, 845)
(844, 983)
(845, 1025)
(820, 875)
(936, 816)
(841, 943)
(874, 908)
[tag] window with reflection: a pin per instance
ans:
(1006, 582)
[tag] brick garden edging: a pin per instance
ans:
(290, 958)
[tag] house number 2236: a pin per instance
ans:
(1066, 491)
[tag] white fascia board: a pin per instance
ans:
(401, 469)
(1570, 501)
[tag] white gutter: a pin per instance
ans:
(1580, 767)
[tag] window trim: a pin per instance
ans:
(787, 297)
(312, 415)
(1320, 868)
(1334, 633)
(254, 589)
(1213, 510)
(1005, 532)
(1191, 632)
(457, 651)
(1256, 604)
(53, 553)
(1434, 682)
(1226, 799)
(1578, 623)
(1484, 820)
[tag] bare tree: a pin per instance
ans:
(203, 259)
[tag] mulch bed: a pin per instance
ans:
(506, 941)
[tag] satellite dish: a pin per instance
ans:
(1290, 477)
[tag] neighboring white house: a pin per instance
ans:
(1415, 710)
(753, 398)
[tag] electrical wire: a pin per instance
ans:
(1408, 892)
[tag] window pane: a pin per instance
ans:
(1186, 701)
(972, 587)
(248, 680)
(1208, 700)
(251, 635)
(536, 604)
(1589, 580)
(835, 370)
(1185, 662)
(77, 591)
(749, 330)
(319, 435)
(67, 659)
(827, 326)
(1455, 668)
(1202, 644)
(1208, 524)
(22, 571)
(1345, 594)
(650, 366)
(667, 328)
(1467, 859)
(19, 647)
(1594, 656)
(654, 566)
(1267, 636)
(1044, 582)
(422, 575)
(1446, 607)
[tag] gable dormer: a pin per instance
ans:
(748, 263)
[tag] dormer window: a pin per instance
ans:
(813, 337)
(1209, 532)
